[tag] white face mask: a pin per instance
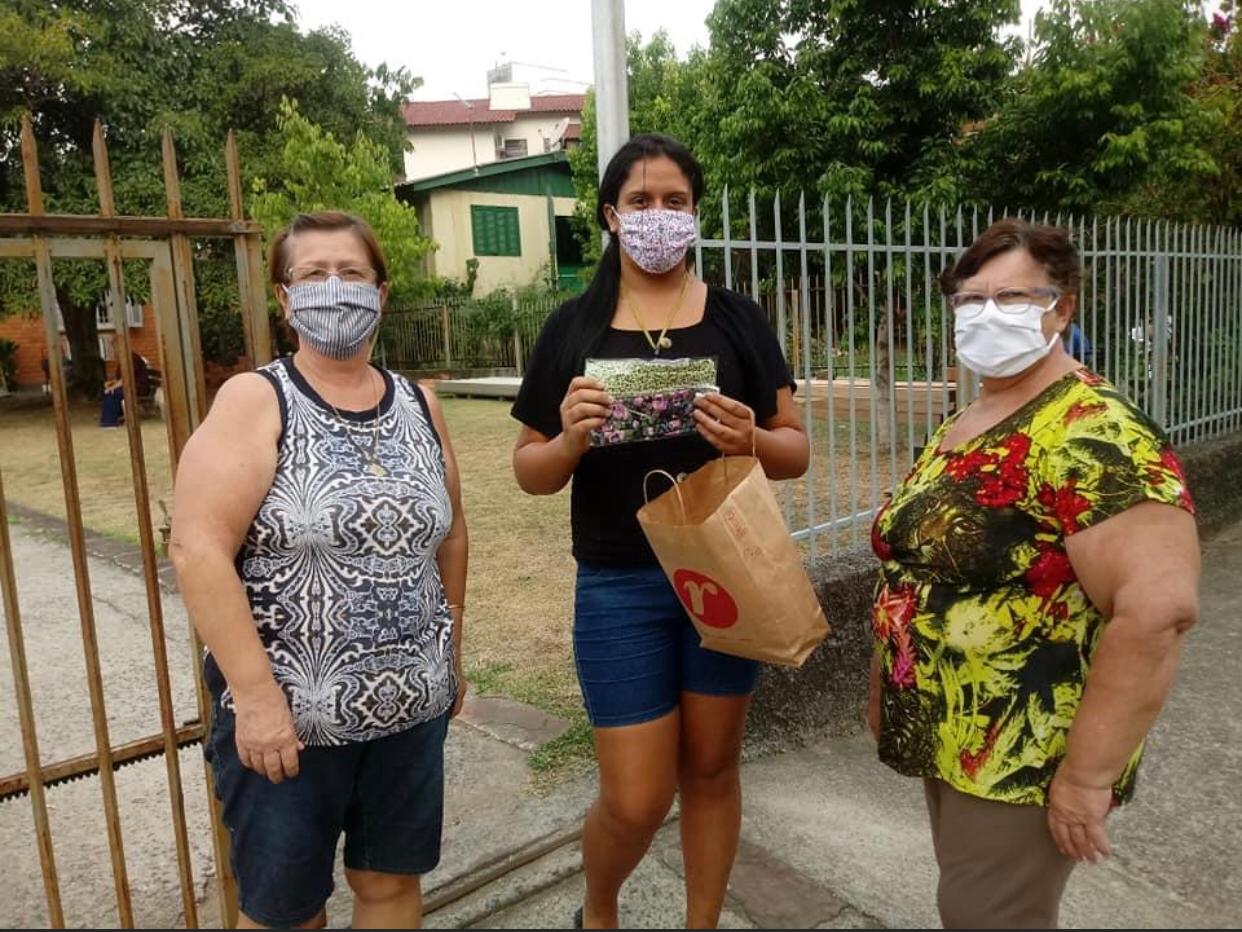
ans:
(997, 344)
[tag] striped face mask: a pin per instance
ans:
(335, 318)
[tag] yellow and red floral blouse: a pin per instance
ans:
(983, 632)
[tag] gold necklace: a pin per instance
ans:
(374, 467)
(663, 341)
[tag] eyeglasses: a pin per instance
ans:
(1008, 300)
(313, 273)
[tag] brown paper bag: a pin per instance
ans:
(722, 541)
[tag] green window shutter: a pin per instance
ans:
(495, 231)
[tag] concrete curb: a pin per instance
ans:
(117, 552)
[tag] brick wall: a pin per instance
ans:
(27, 333)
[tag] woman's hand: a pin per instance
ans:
(459, 675)
(463, 687)
(584, 409)
(267, 742)
(726, 424)
(1076, 813)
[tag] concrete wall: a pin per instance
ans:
(441, 149)
(828, 695)
(449, 214)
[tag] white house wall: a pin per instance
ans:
(439, 150)
(442, 149)
(450, 223)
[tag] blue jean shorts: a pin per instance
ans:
(637, 651)
(386, 795)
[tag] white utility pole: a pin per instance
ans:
(612, 103)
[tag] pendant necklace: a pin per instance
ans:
(664, 341)
(370, 458)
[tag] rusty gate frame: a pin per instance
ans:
(165, 242)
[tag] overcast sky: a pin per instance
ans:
(452, 43)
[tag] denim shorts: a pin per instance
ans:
(386, 795)
(637, 651)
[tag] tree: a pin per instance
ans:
(850, 97)
(1101, 119)
(200, 67)
(316, 172)
(1219, 89)
(663, 94)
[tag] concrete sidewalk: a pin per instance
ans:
(831, 839)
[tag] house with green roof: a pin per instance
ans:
(513, 216)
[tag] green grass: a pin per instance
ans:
(30, 463)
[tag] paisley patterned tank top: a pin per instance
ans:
(340, 566)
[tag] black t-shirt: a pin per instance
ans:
(608, 483)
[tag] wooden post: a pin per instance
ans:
(517, 336)
(882, 383)
(448, 337)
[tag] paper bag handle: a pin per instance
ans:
(676, 488)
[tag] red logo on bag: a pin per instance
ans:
(705, 599)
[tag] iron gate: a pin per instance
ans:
(164, 242)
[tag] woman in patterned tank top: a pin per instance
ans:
(1040, 568)
(321, 549)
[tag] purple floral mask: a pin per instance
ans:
(656, 239)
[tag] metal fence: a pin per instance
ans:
(852, 289)
(463, 333)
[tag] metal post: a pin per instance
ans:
(612, 106)
(1160, 344)
(448, 336)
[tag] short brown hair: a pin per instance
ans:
(1050, 246)
(277, 254)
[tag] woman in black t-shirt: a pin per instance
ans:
(668, 715)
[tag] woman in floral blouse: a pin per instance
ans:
(1040, 568)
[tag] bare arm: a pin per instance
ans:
(543, 465)
(780, 441)
(225, 471)
(1141, 570)
(453, 557)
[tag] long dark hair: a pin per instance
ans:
(594, 309)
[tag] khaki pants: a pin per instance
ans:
(999, 868)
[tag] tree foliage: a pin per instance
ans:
(1102, 119)
(850, 97)
(201, 67)
(318, 172)
(1218, 89)
(1117, 106)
